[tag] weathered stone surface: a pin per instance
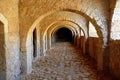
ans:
(10, 44)
(19, 19)
(64, 62)
(115, 57)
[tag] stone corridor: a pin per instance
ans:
(64, 62)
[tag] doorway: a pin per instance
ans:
(2, 53)
(34, 43)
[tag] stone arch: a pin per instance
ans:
(100, 29)
(66, 23)
(49, 32)
(3, 48)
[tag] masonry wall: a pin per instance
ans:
(9, 9)
(114, 44)
(114, 50)
(95, 51)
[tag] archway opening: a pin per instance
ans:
(2, 53)
(63, 35)
(34, 43)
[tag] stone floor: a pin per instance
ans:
(64, 62)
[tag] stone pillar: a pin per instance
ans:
(38, 41)
(48, 41)
(78, 41)
(10, 10)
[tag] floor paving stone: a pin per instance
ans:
(64, 62)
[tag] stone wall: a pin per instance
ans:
(95, 51)
(115, 57)
(9, 9)
(82, 44)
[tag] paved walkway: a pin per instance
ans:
(64, 62)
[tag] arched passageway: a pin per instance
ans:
(63, 35)
(34, 43)
(2, 53)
